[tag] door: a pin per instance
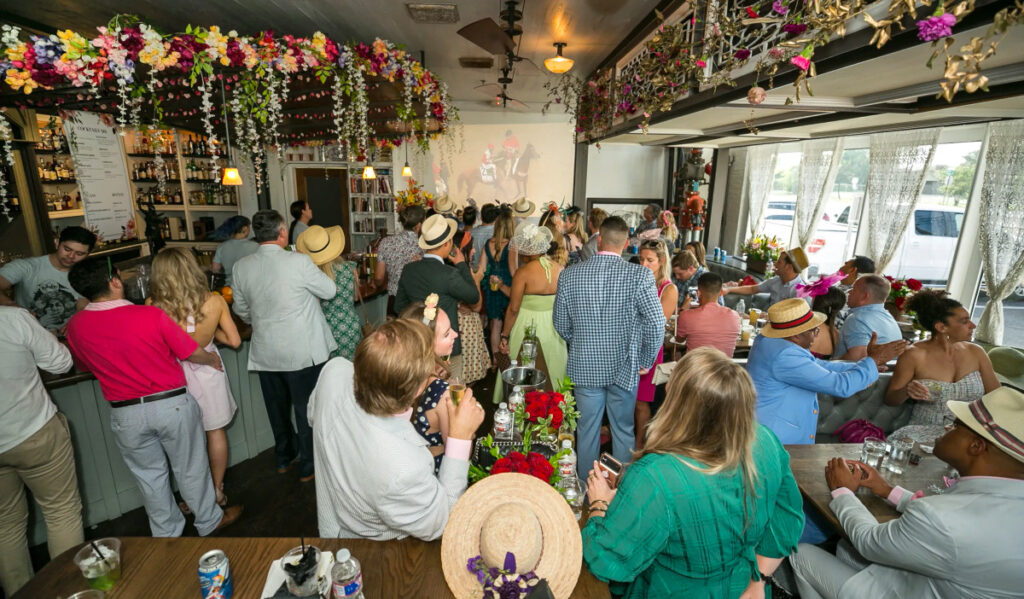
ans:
(326, 191)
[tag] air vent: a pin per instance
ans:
(472, 62)
(434, 14)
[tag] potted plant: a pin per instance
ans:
(760, 250)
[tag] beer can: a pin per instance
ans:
(215, 575)
(725, 255)
(718, 253)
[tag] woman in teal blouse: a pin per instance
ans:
(710, 507)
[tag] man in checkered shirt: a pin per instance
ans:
(608, 312)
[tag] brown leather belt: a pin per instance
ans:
(148, 398)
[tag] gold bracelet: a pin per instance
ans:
(596, 501)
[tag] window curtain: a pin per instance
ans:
(896, 170)
(760, 173)
(819, 163)
(1002, 223)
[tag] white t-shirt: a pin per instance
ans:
(25, 405)
(42, 289)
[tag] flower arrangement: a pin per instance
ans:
(502, 583)
(705, 48)
(762, 247)
(533, 464)
(129, 65)
(900, 290)
(413, 196)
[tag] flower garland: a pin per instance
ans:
(8, 157)
(127, 51)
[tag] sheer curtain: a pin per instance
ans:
(760, 172)
(896, 169)
(819, 163)
(1002, 223)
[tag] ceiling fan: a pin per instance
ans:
(487, 34)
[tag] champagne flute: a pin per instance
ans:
(457, 389)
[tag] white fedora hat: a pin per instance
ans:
(437, 230)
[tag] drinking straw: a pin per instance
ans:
(96, 548)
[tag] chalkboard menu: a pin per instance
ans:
(102, 174)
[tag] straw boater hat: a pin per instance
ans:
(515, 513)
(436, 231)
(998, 417)
(531, 239)
(799, 257)
(791, 317)
(522, 207)
(322, 245)
(444, 205)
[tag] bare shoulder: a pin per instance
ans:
(973, 350)
(914, 354)
(213, 305)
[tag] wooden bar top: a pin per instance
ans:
(166, 568)
(808, 464)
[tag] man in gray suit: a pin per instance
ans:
(966, 542)
(279, 293)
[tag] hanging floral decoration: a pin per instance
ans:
(707, 49)
(8, 157)
(142, 67)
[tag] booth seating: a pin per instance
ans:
(734, 269)
(869, 404)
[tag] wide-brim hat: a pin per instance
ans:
(791, 317)
(1008, 362)
(522, 207)
(444, 205)
(531, 240)
(322, 245)
(799, 257)
(512, 512)
(998, 417)
(437, 230)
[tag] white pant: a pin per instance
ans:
(819, 574)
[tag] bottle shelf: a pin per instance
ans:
(60, 182)
(66, 213)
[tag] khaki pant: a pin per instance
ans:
(45, 463)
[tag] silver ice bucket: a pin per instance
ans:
(528, 379)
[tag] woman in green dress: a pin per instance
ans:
(709, 508)
(340, 311)
(532, 297)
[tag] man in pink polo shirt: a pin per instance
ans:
(134, 351)
(710, 324)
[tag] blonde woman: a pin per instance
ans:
(669, 231)
(654, 256)
(178, 287)
(575, 234)
(429, 416)
(324, 247)
(709, 502)
(559, 250)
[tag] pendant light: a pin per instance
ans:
(559, 64)
(230, 175)
(407, 170)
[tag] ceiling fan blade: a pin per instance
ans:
(488, 89)
(489, 36)
(525, 66)
(516, 105)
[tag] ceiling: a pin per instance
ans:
(592, 29)
(895, 91)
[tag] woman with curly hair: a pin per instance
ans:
(178, 287)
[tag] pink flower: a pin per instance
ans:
(802, 62)
(794, 28)
(742, 54)
(779, 7)
(936, 27)
(777, 53)
(700, 63)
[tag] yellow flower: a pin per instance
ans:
(225, 61)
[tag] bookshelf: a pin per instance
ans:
(371, 205)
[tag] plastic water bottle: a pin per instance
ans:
(346, 577)
(503, 423)
(567, 463)
(741, 308)
(515, 399)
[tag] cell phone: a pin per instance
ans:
(612, 467)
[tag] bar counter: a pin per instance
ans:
(107, 487)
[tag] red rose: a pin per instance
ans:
(540, 467)
(914, 284)
(897, 285)
(899, 302)
(502, 465)
(888, 278)
(534, 396)
(556, 417)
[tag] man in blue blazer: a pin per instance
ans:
(788, 378)
(608, 312)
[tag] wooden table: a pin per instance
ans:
(166, 568)
(808, 465)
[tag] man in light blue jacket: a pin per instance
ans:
(788, 378)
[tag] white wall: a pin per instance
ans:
(626, 171)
